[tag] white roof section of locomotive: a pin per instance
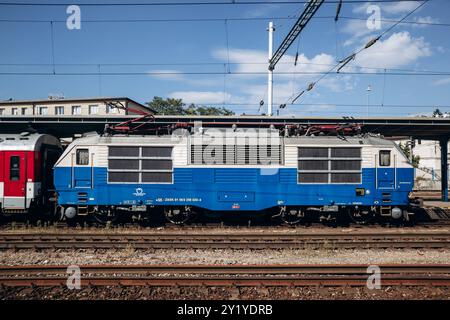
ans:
(98, 145)
(123, 140)
(26, 142)
(339, 141)
(95, 139)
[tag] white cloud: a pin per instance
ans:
(425, 21)
(357, 29)
(286, 84)
(172, 75)
(399, 49)
(257, 61)
(260, 11)
(441, 49)
(390, 8)
(390, 12)
(319, 107)
(252, 88)
(399, 7)
(201, 97)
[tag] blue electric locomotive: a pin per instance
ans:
(234, 170)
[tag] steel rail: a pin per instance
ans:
(229, 269)
(241, 240)
(230, 282)
(226, 275)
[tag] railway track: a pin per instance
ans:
(226, 275)
(226, 240)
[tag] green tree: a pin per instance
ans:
(213, 111)
(167, 106)
(172, 106)
(407, 151)
(437, 113)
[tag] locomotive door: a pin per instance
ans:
(82, 170)
(15, 179)
(385, 170)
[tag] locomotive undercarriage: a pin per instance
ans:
(289, 215)
(292, 215)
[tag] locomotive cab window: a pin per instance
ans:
(14, 169)
(385, 158)
(83, 157)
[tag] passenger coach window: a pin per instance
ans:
(83, 157)
(385, 158)
(14, 168)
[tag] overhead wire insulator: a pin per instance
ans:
(338, 10)
(310, 86)
(372, 42)
(298, 96)
(346, 61)
(296, 59)
(282, 106)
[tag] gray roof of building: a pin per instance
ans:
(48, 101)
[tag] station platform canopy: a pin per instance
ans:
(426, 128)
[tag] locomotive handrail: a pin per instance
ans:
(376, 171)
(395, 171)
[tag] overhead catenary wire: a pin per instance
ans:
(52, 40)
(374, 40)
(99, 81)
(334, 105)
(228, 46)
(186, 3)
(384, 88)
(183, 20)
(354, 54)
(150, 73)
(100, 73)
(226, 71)
(382, 69)
(336, 28)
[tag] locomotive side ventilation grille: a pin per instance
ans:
(329, 165)
(236, 154)
(129, 164)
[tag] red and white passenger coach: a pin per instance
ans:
(26, 175)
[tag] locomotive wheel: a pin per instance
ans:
(361, 215)
(105, 215)
(178, 215)
(291, 216)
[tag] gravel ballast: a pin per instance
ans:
(226, 256)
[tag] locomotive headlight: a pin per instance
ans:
(396, 213)
(70, 212)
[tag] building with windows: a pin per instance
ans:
(428, 172)
(71, 107)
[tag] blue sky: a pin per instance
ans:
(171, 47)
